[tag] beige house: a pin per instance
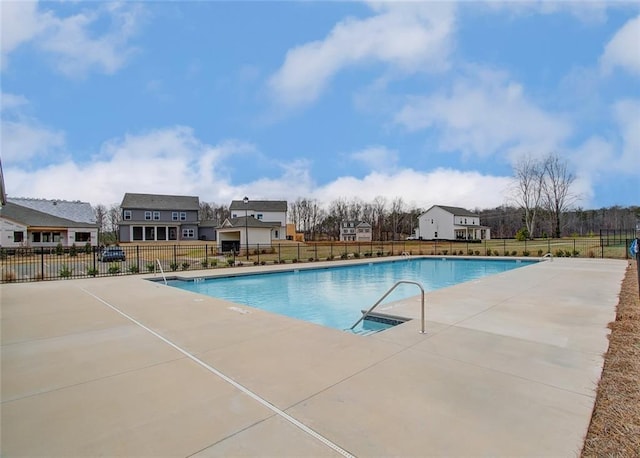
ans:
(355, 231)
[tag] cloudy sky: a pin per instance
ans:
(428, 101)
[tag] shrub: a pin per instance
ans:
(344, 256)
(204, 263)
(133, 269)
(356, 255)
(522, 234)
(575, 253)
(477, 252)
(59, 249)
(213, 262)
(525, 253)
(460, 253)
(379, 253)
(592, 254)
(73, 251)
(311, 259)
(540, 253)
(294, 260)
(368, 254)
(174, 266)
(559, 253)
(514, 252)
(65, 271)
(151, 266)
(230, 262)
(330, 257)
(92, 271)
(185, 265)
(263, 263)
(255, 263)
(495, 253)
(87, 248)
(114, 269)
(445, 252)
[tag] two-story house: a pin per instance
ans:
(47, 223)
(253, 222)
(355, 231)
(155, 217)
(451, 223)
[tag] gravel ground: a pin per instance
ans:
(615, 424)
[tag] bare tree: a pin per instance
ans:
(379, 209)
(396, 216)
(527, 189)
(114, 216)
(556, 190)
(100, 212)
(206, 212)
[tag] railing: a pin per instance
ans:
(398, 283)
(164, 277)
(26, 264)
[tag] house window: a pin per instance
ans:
(36, 237)
(183, 216)
(234, 215)
(465, 221)
(127, 214)
(259, 216)
(18, 236)
(431, 221)
(188, 233)
(83, 236)
(156, 215)
(435, 235)
(137, 233)
(174, 216)
(150, 233)
(147, 215)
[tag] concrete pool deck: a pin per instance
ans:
(121, 366)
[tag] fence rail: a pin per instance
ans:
(36, 264)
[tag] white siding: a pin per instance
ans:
(436, 223)
(7, 229)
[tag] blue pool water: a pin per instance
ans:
(335, 296)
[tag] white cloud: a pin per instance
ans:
(22, 141)
(164, 161)
(70, 43)
(9, 102)
(627, 114)
(422, 189)
(20, 24)
(376, 157)
(408, 37)
(624, 49)
(483, 115)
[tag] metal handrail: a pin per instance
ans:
(548, 255)
(162, 271)
(364, 315)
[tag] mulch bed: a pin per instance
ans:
(615, 423)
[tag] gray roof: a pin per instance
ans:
(250, 222)
(457, 211)
(70, 210)
(259, 205)
(34, 218)
(159, 202)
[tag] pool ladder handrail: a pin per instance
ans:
(162, 271)
(548, 255)
(364, 315)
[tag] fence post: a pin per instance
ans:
(138, 257)
(279, 253)
(258, 250)
(42, 262)
(315, 251)
(175, 255)
(638, 263)
(548, 245)
(298, 258)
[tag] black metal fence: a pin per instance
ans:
(36, 264)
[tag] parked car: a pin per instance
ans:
(112, 253)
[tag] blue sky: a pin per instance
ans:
(432, 102)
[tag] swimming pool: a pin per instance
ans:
(335, 296)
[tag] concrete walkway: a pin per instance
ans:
(125, 367)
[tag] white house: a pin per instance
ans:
(451, 223)
(46, 223)
(355, 231)
(258, 222)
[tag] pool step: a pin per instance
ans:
(365, 332)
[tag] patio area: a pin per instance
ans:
(126, 367)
